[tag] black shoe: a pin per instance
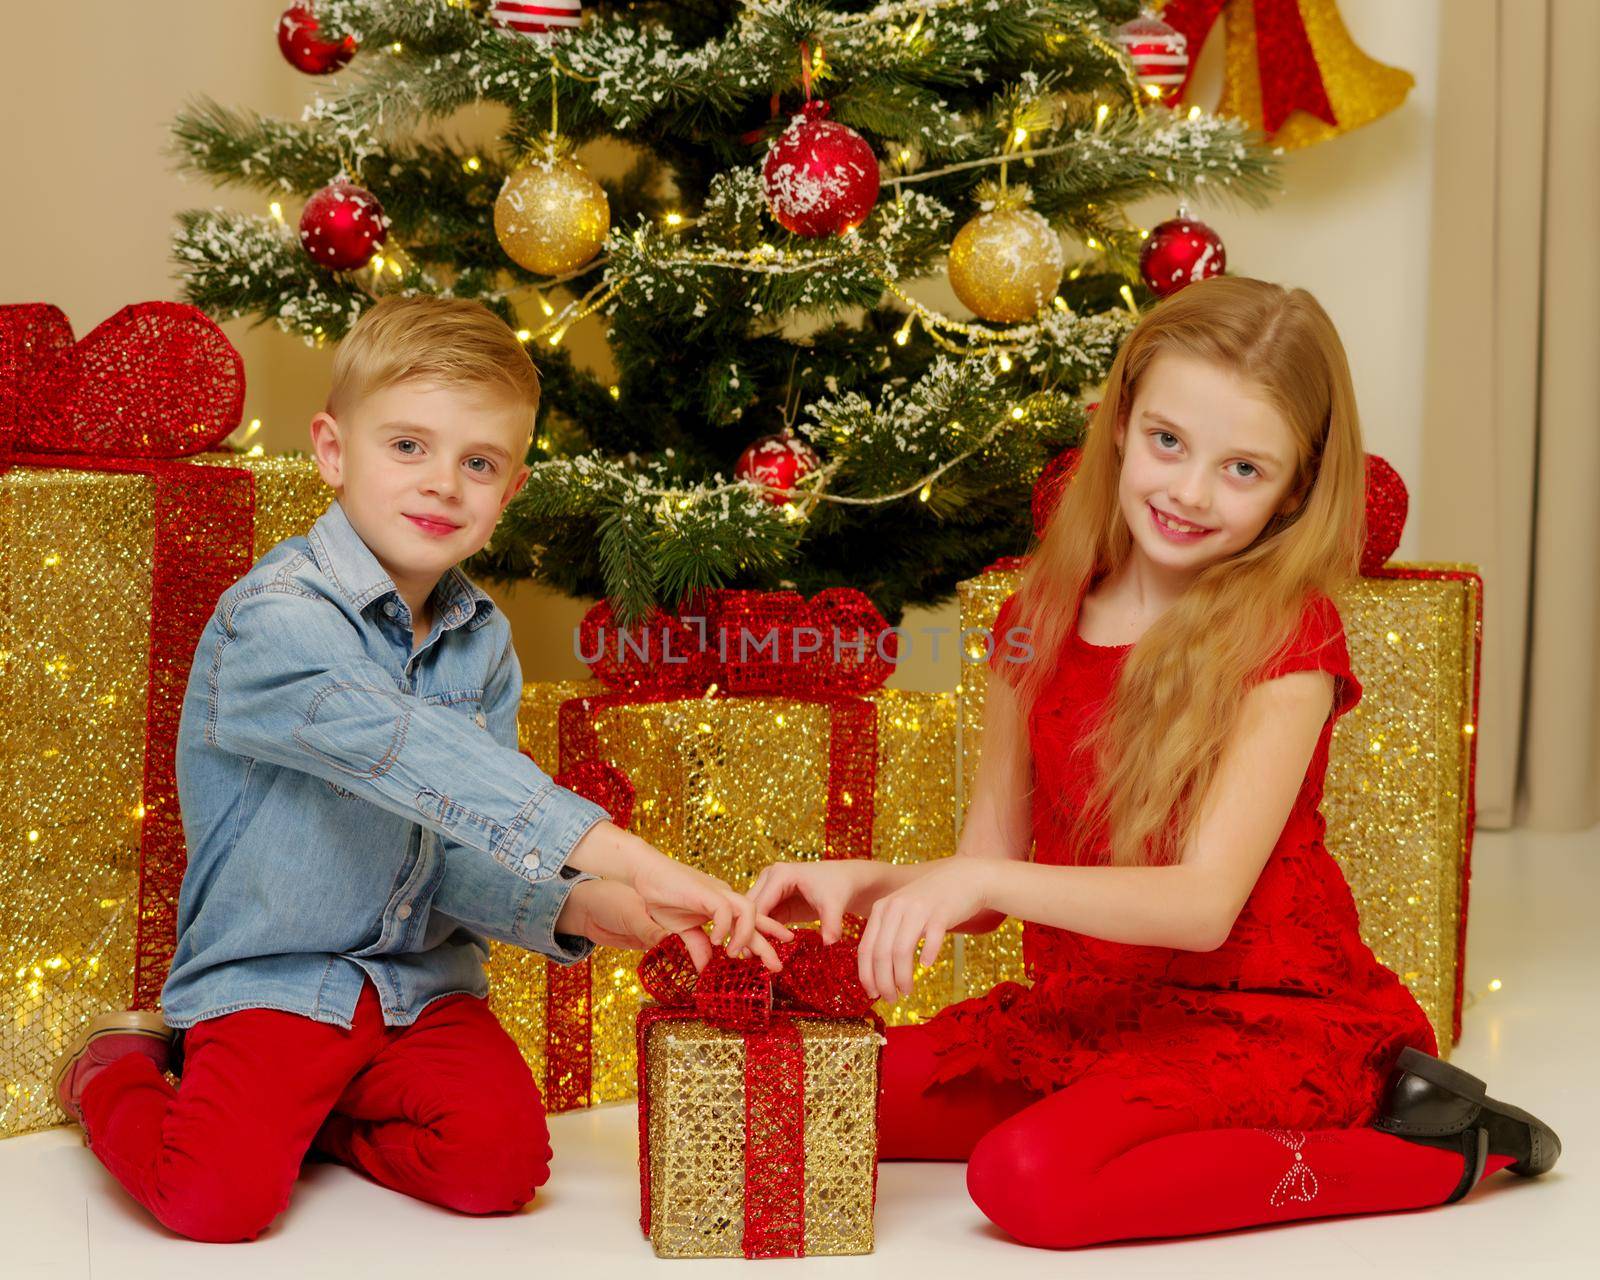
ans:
(1438, 1105)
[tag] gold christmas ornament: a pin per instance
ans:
(551, 216)
(1006, 264)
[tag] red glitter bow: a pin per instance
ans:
(154, 383)
(156, 380)
(817, 981)
(748, 642)
(738, 995)
(1290, 77)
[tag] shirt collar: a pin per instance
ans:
(340, 552)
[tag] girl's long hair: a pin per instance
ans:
(1180, 689)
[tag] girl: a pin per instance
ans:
(1206, 1044)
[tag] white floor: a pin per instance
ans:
(1534, 1039)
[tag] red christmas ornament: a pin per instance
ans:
(1179, 252)
(1159, 53)
(820, 177)
(297, 37)
(541, 20)
(778, 461)
(342, 226)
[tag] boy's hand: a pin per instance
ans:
(822, 891)
(682, 898)
(613, 915)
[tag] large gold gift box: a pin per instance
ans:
(1398, 799)
(726, 784)
(75, 625)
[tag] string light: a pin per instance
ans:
(1005, 363)
(277, 213)
(616, 391)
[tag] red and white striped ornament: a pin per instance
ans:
(544, 20)
(1159, 53)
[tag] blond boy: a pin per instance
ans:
(360, 823)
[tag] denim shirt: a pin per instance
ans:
(356, 810)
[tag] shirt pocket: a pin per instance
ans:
(466, 702)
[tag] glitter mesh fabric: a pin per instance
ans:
(1290, 1021)
(758, 1124)
(1396, 806)
(726, 784)
(112, 555)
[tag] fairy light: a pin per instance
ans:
(523, 335)
(1127, 298)
(555, 338)
(926, 492)
(1019, 137)
(276, 210)
(615, 391)
(472, 164)
(674, 219)
(1005, 363)
(903, 333)
(1017, 412)
(1100, 114)
(1494, 984)
(377, 263)
(1194, 113)
(396, 47)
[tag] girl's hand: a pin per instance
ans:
(946, 894)
(682, 899)
(822, 891)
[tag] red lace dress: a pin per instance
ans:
(1292, 1022)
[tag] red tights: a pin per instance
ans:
(1087, 1166)
(444, 1110)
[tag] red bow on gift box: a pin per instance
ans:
(154, 383)
(746, 642)
(817, 981)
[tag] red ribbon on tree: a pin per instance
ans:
(817, 981)
(1290, 77)
(155, 383)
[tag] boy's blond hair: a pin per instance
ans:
(422, 338)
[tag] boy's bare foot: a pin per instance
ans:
(106, 1039)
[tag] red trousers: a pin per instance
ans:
(444, 1110)
(1086, 1166)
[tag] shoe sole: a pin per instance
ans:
(1509, 1128)
(118, 1022)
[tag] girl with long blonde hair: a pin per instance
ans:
(1205, 1042)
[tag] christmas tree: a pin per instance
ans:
(788, 410)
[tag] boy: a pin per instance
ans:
(359, 822)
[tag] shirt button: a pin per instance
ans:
(480, 719)
(389, 608)
(531, 862)
(404, 913)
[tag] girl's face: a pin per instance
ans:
(1206, 464)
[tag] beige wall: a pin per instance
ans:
(88, 222)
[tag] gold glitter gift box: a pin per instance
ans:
(758, 1104)
(1399, 795)
(76, 584)
(726, 784)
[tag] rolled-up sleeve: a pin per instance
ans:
(289, 683)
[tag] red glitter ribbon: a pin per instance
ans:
(154, 383)
(1290, 77)
(699, 653)
(817, 981)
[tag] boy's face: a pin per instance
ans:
(423, 472)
